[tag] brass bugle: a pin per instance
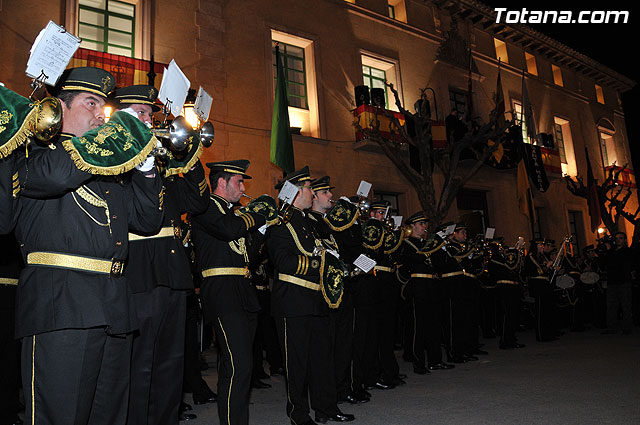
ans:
(178, 133)
(206, 134)
(49, 119)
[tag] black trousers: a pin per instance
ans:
(193, 382)
(545, 309)
(266, 340)
(306, 344)
(76, 376)
(509, 297)
(386, 324)
(463, 315)
(157, 362)
(365, 333)
(488, 311)
(428, 299)
(9, 357)
(341, 322)
(235, 333)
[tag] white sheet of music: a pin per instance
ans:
(364, 263)
(397, 220)
(490, 233)
(202, 107)
(363, 189)
(288, 192)
(174, 87)
(51, 52)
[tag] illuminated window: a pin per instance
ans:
(517, 109)
(564, 143)
(375, 70)
(501, 50)
(107, 26)
(557, 75)
(297, 57)
(397, 10)
(599, 94)
(608, 148)
(292, 58)
(532, 68)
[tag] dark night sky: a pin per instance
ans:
(613, 45)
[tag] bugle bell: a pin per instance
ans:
(178, 133)
(206, 134)
(49, 119)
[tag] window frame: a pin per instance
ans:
(106, 29)
(285, 60)
(372, 78)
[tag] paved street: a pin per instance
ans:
(584, 378)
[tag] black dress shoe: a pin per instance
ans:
(185, 407)
(456, 359)
(261, 374)
(479, 351)
(402, 375)
(187, 416)
(441, 366)
(470, 358)
(420, 370)
(258, 384)
(198, 400)
(355, 398)
(506, 346)
(397, 381)
(309, 422)
(380, 385)
(338, 417)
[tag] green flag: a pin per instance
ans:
(281, 143)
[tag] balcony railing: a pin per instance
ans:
(626, 177)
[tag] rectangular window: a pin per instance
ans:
(599, 94)
(375, 71)
(107, 26)
(473, 210)
(564, 143)
(608, 148)
(458, 100)
(293, 60)
(501, 50)
(557, 75)
(517, 109)
(532, 67)
(397, 10)
(375, 78)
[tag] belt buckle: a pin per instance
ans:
(247, 273)
(117, 267)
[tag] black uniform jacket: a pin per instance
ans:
(68, 211)
(501, 270)
(534, 266)
(223, 239)
(9, 185)
(162, 261)
(414, 258)
(290, 248)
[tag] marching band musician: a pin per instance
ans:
(503, 268)
(75, 312)
(344, 220)
(538, 269)
(224, 244)
(159, 276)
(426, 294)
(300, 310)
(458, 277)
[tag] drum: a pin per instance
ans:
(565, 281)
(589, 278)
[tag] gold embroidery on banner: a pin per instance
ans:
(5, 117)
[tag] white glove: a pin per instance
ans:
(263, 229)
(147, 165)
(130, 112)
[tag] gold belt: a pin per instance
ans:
(460, 273)
(300, 282)
(113, 267)
(424, 275)
(8, 281)
(384, 269)
(540, 277)
(262, 288)
(165, 232)
(509, 282)
(226, 271)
